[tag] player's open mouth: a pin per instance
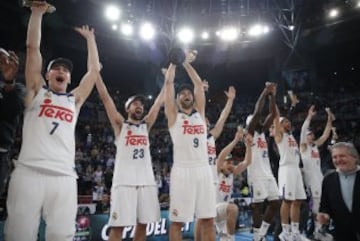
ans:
(60, 79)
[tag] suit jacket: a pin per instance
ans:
(347, 224)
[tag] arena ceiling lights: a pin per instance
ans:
(259, 29)
(185, 35)
(147, 31)
(333, 13)
(146, 27)
(229, 34)
(127, 29)
(112, 13)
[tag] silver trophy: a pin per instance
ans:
(4, 52)
(30, 3)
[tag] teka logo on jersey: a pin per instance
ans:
(292, 142)
(211, 150)
(193, 129)
(56, 112)
(224, 188)
(261, 143)
(135, 140)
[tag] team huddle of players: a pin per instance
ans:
(43, 183)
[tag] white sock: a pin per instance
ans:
(256, 234)
(264, 228)
(286, 227)
(295, 227)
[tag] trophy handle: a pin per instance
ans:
(28, 3)
(4, 52)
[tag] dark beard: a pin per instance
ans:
(186, 106)
(136, 117)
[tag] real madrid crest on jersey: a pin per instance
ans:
(47, 94)
(70, 98)
(114, 215)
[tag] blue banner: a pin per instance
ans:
(95, 228)
(157, 231)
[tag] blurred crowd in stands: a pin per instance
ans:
(95, 149)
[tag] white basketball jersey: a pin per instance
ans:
(188, 135)
(312, 165)
(289, 151)
(48, 138)
(225, 186)
(212, 156)
(260, 163)
(133, 161)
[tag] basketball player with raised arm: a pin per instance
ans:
(134, 195)
(215, 132)
(213, 135)
(227, 212)
(291, 186)
(192, 190)
(310, 155)
(261, 180)
(43, 184)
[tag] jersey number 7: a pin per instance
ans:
(56, 124)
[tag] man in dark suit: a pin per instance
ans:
(340, 200)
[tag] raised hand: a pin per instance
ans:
(293, 98)
(9, 64)
(248, 140)
(239, 135)
(190, 55)
(273, 88)
(330, 114)
(163, 71)
(39, 7)
(311, 111)
(269, 87)
(231, 93)
(205, 85)
(85, 31)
